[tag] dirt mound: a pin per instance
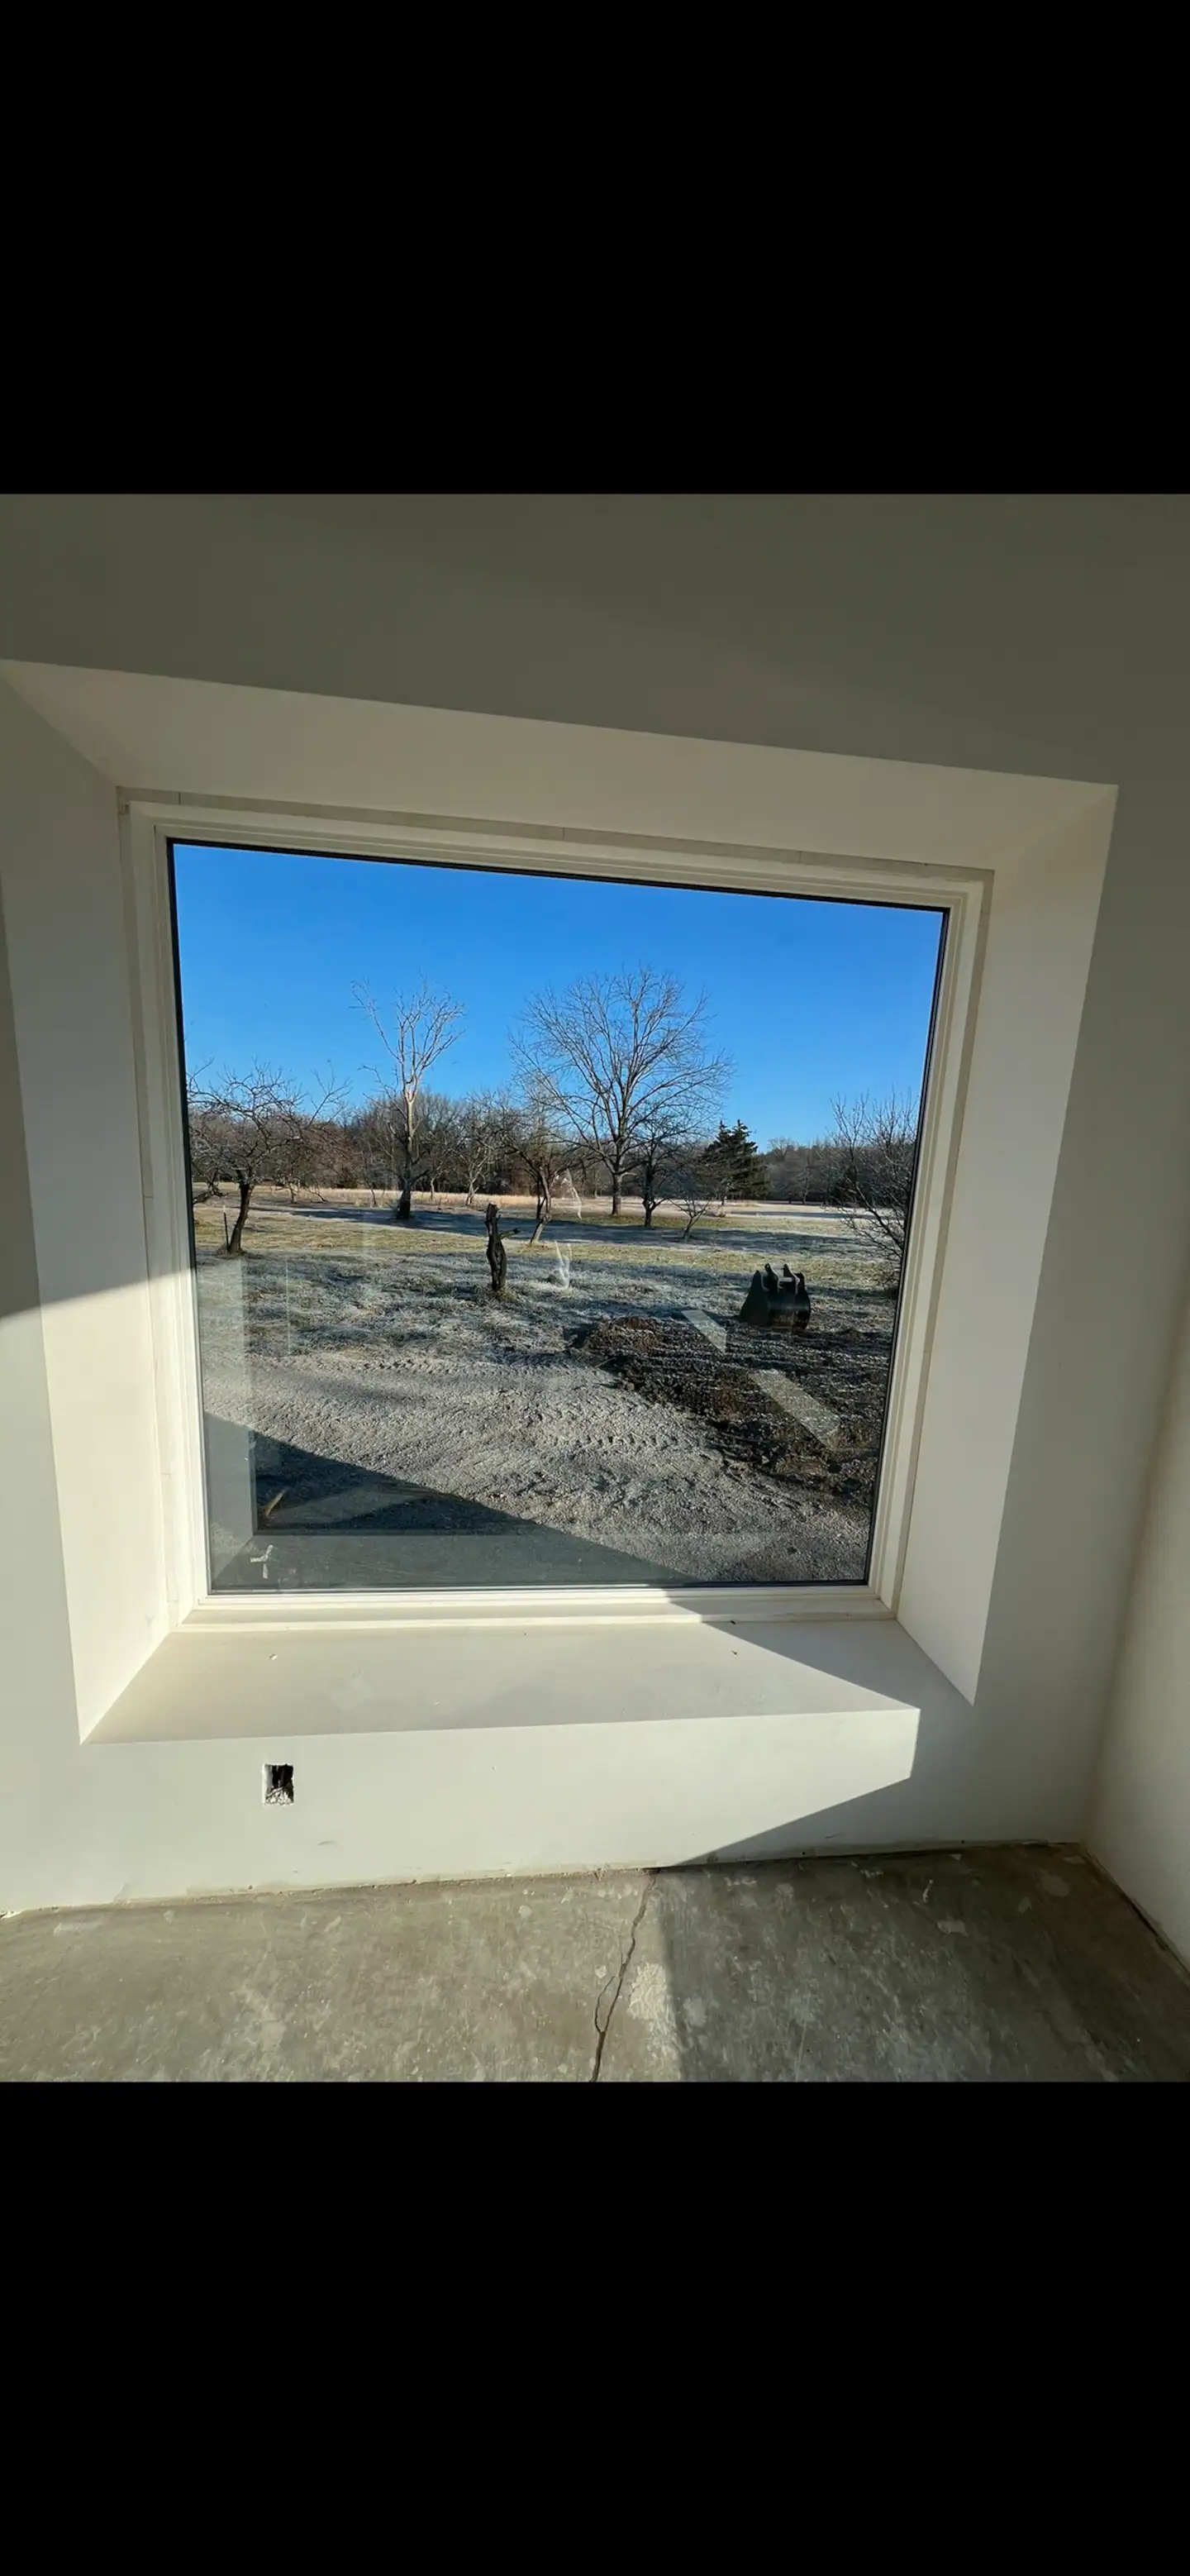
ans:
(670, 1362)
(847, 1370)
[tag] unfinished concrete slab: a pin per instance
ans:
(987, 1966)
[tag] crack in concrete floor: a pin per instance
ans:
(602, 2027)
(1021, 1964)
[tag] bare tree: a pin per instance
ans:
(809, 1171)
(420, 1029)
(263, 1122)
(658, 1153)
(482, 1120)
(208, 1138)
(299, 1156)
(617, 1055)
(497, 1256)
(439, 1144)
(537, 1145)
(371, 1134)
(876, 1142)
(697, 1183)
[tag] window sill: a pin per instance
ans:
(302, 1675)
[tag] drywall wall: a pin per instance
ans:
(838, 1732)
(1037, 637)
(1020, 631)
(68, 984)
(1040, 933)
(1043, 844)
(1140, 1808)
(38, 1724)
(197, 738)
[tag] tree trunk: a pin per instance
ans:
(545, 1209)
(403, 1211)
(497, 1256)
(650, 1204)
(691, 1222)
(617, 1187)
(235, 1240)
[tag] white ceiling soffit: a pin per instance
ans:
(204, 738)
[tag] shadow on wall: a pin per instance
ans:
(19, 1291)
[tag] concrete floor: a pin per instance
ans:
(1000, 1966)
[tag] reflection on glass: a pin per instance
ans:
(517, 1297)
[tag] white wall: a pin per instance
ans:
(1035, 636)
(72, 1025)
(1140, 1809)
(38, 1724)
(1043, 633)
(1042, 845)
(1040, 935)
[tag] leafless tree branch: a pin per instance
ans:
(417, 1032)
(257, 1126)
(876, 1141)
(616, 1056)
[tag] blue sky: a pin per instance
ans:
(811, 999)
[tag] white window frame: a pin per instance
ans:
(149, 824)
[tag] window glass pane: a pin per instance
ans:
(547, 1230)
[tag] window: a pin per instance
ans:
(548, 1231)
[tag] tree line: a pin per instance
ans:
(615, 1090)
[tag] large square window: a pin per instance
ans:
(549, 1231)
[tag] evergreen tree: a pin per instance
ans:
(735, 1165)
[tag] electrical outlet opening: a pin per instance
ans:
(278, 1784)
